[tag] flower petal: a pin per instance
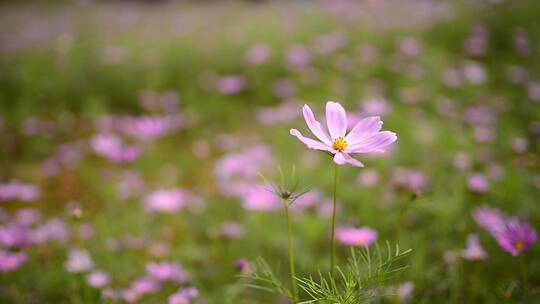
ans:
(352, 161)
(365, 127)
(344, 158)
(310, 143)
(374, 143)
(336, 120)
(315, 126)
(339, 158)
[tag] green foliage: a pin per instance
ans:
(363, 277)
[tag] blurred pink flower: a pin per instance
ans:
(232, 230)
(53, 230)
(516, 237)
(284, 88)
(461, 161)
(513, 235)
(242, 265)
(258, 54)
(490, 219)
(15, 190)
(477, 183)
(364, 137)
(361, 237)
(519, 144)
(284, 112)
(484, 134)
(474, 250)
(167, 272)
(477, 43)
(331, 42)
(367, 178)
(410, 47)
(15, 236)
(27, 216)
(375, 107)
(307, 200)
(258, 198)
(97, 279)
(183, 296)
(148, 128)
(111, 148)
(410, 179)
(534, 91)
(405, 291)
(324, 210)
(11, 261)
(521, 41)
(140, 288)
(235, 170)
(166, 200)
(79, 260)
(474, 73)
(298, 56)
(229, 85)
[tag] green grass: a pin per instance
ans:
(49, 80)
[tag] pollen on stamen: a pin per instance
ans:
(518, 245)
(339, 144)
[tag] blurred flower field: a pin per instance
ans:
(145, 147)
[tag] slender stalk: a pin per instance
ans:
(523, 267)
(292, 272)
(333, 246)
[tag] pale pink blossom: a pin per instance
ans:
(364, 137)
(166, 200)
(474, 250)
(361, 237)
(79, 260)
(97, 279)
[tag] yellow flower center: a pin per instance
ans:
(518, 245)
(340, 144)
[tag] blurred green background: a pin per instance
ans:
(66, 64)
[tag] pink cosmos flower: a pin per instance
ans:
(478, 183)
(54, 229)
(364, 137)
(490, 219)
(513, 235)
(15, 190)
(79, 260)
(516, 237)
(258, 198)
(229, 85)
(474, 251)
(183, 296)
(10, 261)
(97, 279)
(258, 54)
(405, 291)
(167, 272)
(27, 216)
(361, 237)
(166, 200)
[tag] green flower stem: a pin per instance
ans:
(291, 252)
(523, 267)
(333, 246)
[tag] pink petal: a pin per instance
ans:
(339, 158)
(336, 119)
(315, 126)
(374, 143)
(363, 128)
(310, 143)
(352, 161)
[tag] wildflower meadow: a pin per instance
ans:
(329, 151)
